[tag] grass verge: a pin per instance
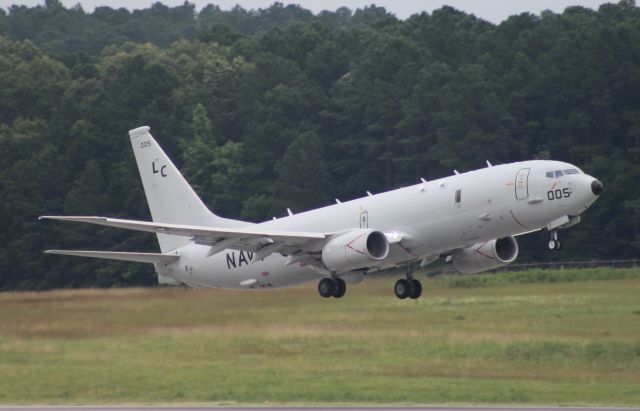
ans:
(561, 343)
(538, 276)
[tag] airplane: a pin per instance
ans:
(469, 220)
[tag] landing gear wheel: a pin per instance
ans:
(415, 289)
(402, 289)
(554, 243)
(339, 287)
(325, 287)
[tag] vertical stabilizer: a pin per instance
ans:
(171, 199)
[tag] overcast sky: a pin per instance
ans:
(492, 10)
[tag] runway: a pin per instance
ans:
(268, 408)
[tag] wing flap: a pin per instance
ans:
(122, 256)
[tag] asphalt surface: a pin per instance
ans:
(267, 408)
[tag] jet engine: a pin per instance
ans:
(486, 256)
(355, 249)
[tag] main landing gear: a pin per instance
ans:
(408, 287)
(554, 244)
(332, 287)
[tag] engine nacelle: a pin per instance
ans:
(355, 249)
(486, 256)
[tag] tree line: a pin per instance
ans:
(280, 107)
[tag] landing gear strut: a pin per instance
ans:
(408, 287)
(332, 287)
(554, 244)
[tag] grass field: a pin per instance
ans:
(565, 343)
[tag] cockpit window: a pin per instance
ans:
(560, 173)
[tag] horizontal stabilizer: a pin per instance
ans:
(122, 256)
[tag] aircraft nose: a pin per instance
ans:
(596, 187)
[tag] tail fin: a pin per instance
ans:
(171, 199)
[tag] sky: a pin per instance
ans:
(492, 10)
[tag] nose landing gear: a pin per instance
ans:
(554, 244)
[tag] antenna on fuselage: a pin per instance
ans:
(338, 201)
(456, 171)
(423, 180)
(289, 211)
(369, 193)
(489, 164)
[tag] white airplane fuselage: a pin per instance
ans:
(432, 217)
(470, 218)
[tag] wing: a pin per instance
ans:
(122, 256)
(260, 241)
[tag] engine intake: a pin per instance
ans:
(486, 256)
(355, 249)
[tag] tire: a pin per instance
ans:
(415, 289)
(325, 287)
(339, 288)
(558, 246)
(552, 245)
(401, 289)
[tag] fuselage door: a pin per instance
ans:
(364, 219)
(522, 184)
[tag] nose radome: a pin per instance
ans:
(596, 187)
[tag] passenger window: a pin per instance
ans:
(571, 171)
(549, 174)
(559, 173)
(458, 196)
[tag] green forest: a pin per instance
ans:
(280, 107)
